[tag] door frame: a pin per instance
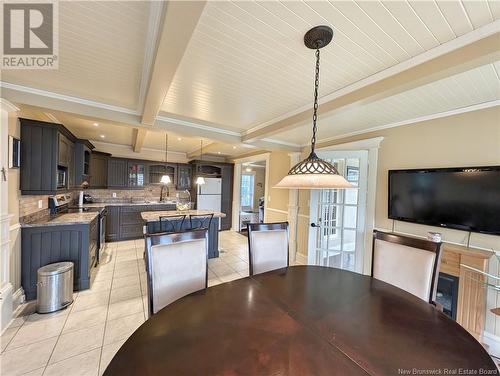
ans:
(361, 212)
(238, 164)
(371, 145)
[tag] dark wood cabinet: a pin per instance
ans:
(99, 170)
(136, 174)
(184, 176)
(113, 223)
(71, 166)
(117, 173)
(83, 151)
(157, 170)
(64, 150)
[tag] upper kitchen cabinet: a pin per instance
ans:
(83, 152)
(117, 173)
(156, 170)
(184, 176)
(46, 160)
(136, 174)
(99, 169)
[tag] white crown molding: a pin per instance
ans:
(191, 124)
(454, 44)
(7, 106)
(365, 144)
(155, 22)
(278, 142)
(68, 98)
(462, 110)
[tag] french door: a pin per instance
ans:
(337, 216)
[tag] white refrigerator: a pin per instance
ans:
(209, 195)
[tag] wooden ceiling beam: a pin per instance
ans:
(482, 51)
(138, 139)
(181, 18)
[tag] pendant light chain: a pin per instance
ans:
(166, 148)
(315, 111)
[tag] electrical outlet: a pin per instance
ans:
(40, 204)
(114, 194)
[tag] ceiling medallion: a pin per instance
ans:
(314, 172)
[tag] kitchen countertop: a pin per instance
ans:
(64, 219)
(153, 216)
(104, 204)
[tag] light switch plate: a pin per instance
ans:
(40, 204)
(114, 194)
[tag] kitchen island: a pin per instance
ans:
(152, 225)
(63, 237)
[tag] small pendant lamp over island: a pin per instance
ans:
(314, 172)
(200, 180)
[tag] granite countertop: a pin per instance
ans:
(153, 216)
(114, 203)
(64, 219)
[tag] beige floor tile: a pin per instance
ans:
(214, 282)
(77, 342)
(122, 328)
(7, 336)
(103, 276)
(99, 286)
(221, 270)
(27, 358)
(39, 317)
(129, 280)
(125, 308)
(108, 352)
(131, 270)
(37, 372)
(124, 264)
(84, 302)
(240, 266)
(85, 319)
(125, 293)
(230, 277)
(36, 332)
(17, 322)
(86, 364)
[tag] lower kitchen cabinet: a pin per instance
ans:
(45, 245)
(124, 222)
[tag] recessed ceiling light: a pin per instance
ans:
(218, 152)
(234, 147)
(179, 138)
(102, 136)
(96, 124)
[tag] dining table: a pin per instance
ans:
(301, 320)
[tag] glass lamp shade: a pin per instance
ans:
(200, 180)
(165, 179)
(313, 173)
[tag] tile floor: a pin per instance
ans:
(82, 339)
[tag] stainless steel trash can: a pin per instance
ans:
(55, 287)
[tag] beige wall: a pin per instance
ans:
(279, 164)
(469, 139)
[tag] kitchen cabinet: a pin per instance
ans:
(99, 170)
(83, 151)
(227, 196)
(117, 173)
(44, 147)
(113, 223)
(45, 245)
(157, 170)
(71, 166)
(136, 174)
(184, 176)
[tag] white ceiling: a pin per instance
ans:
(474, 87)
(101, 53)
(246, 62)
(246, 65)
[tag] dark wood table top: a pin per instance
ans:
(302, 320)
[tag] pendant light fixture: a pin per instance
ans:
(314, 172)
(165, 179)
(200, 179)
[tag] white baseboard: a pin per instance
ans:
(18, 298)
(6, 310)
(493, 343)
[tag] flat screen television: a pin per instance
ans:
(466, 198)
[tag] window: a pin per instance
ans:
(247, 185)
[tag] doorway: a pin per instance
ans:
(337, 216)
(252, 194)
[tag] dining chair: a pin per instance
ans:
(176, 266)
(172, 223)
(411, 264)
(200, 221)
(267, 246)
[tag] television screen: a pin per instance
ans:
(461, 198)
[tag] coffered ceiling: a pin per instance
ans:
(237, 74)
